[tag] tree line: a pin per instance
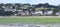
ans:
(18, 6)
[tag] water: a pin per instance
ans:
(29, 25)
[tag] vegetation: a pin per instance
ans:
(29, 7)
(29, 20)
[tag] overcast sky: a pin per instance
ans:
(52, 2)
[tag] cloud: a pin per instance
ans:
(53, 2)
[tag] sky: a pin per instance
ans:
(52, 2)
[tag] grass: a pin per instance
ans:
(29, 20)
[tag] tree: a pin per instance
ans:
(27, 4)
(2, 4)
(46, 5)
(57, 9)
(8, 4)
(18, 4)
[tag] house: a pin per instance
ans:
(58, 14)
(48, 12)
(8, 10)
(38, 13)
(25, 9)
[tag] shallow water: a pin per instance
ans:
(29, 25)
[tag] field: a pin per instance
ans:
(30, 19)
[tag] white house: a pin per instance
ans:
(37, 13)
(58, 13)
(49, 12)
